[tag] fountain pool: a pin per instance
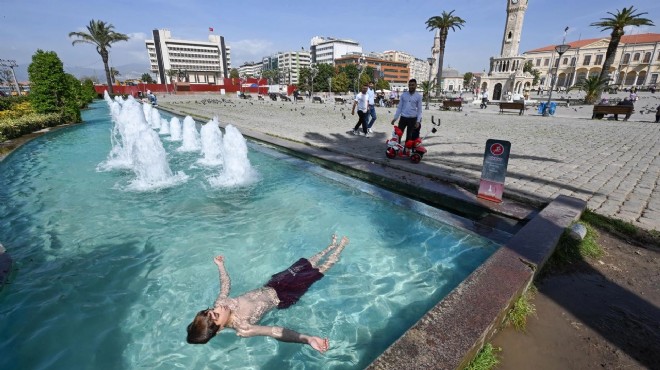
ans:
(108, 275)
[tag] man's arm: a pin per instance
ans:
(225, 282)
(354, 104)
(284, 335)
(419, 110)
(398, 110)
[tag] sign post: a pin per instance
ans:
(493, 173)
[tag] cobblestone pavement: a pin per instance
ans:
(614, 165)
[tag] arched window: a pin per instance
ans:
(573, 60)
(626, 59)
(509, 36)
(636, 57)
(565, 62)
(647, 57)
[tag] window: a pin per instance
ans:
(587, 60)
(546, 62)
(573, 60)
(647, 58)
(654, 79)
(636, 57)
(556, 62)
(599, 60)
(538, 62)
(626, 59)
(565, 62)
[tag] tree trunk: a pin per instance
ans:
(609, 58)
(104, 57)
(441, 57)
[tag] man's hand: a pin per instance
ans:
(219, 260)
(353, 112)
(417, 125)
(392, 123)
(319, 344)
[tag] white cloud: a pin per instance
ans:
(249, 50)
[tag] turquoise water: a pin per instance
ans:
(107, 278)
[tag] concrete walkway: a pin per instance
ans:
(613, 165)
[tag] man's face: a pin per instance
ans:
(371, 86)
(364, 89)
(412, 86)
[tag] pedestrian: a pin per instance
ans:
(295, 95)
(362, 103)
(410, 111)
(625, 102)
(484, 99)
(244, 312)
(657, 114)
(372, 106)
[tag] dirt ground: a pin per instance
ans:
(602, 313)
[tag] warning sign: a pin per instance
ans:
(493, 173)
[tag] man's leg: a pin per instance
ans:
(314, 260)
(363, 121)
(334, 257)
(372, 113)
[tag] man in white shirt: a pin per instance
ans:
(362, 103)
(372, 106)
(410, 111)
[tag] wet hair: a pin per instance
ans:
(202, 328)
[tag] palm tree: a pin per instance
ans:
(443, 23)
(617, 22)
(114, 74)
(592, 87)
(103, 36)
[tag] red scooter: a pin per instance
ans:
(413, 148)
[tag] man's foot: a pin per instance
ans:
(370, 131)
(367, 134)
(356, 132)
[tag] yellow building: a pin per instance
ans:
(637, 61)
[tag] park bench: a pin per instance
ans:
(260, 97)
(448, 104)
(601, 110)
(317, 99)
(519, 106)
(393, 102)
(300, 98)
(339, 100)
(284, 97)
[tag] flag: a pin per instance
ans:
(210, 29)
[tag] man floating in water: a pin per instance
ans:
(282, 291)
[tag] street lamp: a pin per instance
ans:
(560, 49)
(428, 93)
(361, 61)
(313, 72)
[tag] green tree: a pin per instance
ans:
(146, 78)
(427, 87)
(73, 99)
(529, 67)
(51, 90)
(233, 73)
(171, 73)
(114, 74)
(382, 84)
(270, 75)
(340, 83)
(443, 23)
(616, 23)
(88, 92)
(592, 87)
(467, 79)
(102, 36)
(351, 71)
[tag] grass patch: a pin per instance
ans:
(570, 251)
(486, 359)
(622, 229)
(522, 308)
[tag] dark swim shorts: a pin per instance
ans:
(293, 282)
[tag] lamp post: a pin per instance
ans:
(560, 49)
(428, 93)
(313, 72)
(360, 66)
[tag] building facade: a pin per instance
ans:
(289, 64)
(250, 69)
(505, 76)
(328, 49)
(195, 62)
(392, 72)
(417, 68)
(636, 63)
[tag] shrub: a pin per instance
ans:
(14, 127)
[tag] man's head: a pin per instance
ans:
(365, 88)
(412, 85)
(371, 85)
(206, 324)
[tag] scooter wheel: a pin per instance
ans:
(415, 158)
(390, 153)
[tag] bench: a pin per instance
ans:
(519, 106)
(601, 110)
(317, 99)
(392, 103)
(340, 100)
(284, 97)
(300, 98)
(448, 104)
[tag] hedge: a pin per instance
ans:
(11, 128)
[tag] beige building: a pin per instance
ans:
(417, 68)
(637, 61)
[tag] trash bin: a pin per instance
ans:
(553, 107)
(541, 107)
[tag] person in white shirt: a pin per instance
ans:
(362, 103)
(372, 106)
(410, 111)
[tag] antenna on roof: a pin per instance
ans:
(563, 42)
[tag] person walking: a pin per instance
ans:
(484, 99)
(372, 106)
(362, 103)
(657, 114)
(410, 111)
(284, 289)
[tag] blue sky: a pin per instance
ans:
(257, 28)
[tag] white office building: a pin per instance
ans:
(250, 69)
(327, 49)
(195, 62)
(289, 64)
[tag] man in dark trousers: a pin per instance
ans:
(625, 102)
(410, 111)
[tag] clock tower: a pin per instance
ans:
(515, 11)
